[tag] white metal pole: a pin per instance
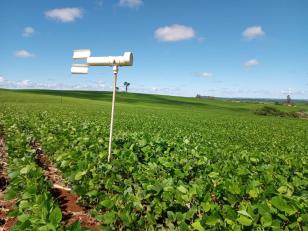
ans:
(115, 73)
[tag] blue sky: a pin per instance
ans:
(243, 48)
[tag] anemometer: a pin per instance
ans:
(115, 62)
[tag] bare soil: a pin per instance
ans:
(5, 205)
(71, 211)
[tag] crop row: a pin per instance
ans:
(35, 207)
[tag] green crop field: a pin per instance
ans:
(177, 163)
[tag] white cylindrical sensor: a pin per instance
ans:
(125, 60)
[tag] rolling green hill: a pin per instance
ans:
(125, 99)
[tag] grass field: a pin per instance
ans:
(178, 163)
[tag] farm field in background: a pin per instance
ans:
(178, 163)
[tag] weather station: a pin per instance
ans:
(113, 61)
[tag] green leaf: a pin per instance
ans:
(92, 193)
(212, 220)
(253, 193)
(55, 216)
(244, 212)
(47, 227)
(109, 217)
(243, 220)
(79, 175)
(12, 175)
(191, 212)
(25, 169)
(206, 206)
(142, 142)
(266, 219)
(305, 218)
(182, 189)
(213, 174)
(9, 195)
(197, 226)
(23, 217)
(283, 189)
(107, 203)
(234, 188)
(75, 227)
(23, 204)
(282, 205)
(168, 189)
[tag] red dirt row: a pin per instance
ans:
(5, 205)
(71, 211)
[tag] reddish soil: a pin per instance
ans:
(5, 205)
(71, 211)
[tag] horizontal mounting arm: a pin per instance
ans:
(125, 60)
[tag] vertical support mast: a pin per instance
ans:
(115, 73)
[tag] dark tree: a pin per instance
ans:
(289, 99)
(126, 84)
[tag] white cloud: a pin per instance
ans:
(24, 83)
(28, 31)
(90, 85)
(203, 74)
(251, 63)
(131, 3)
(287, 92)
(23, 54)
(253, 93)
(174, 33)
(253, 32)
(28, 84)
(155, 90)
(64, 14)
(15, 84)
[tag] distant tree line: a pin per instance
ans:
(204, 97)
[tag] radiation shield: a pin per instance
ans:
(79, 69)
(81, 54)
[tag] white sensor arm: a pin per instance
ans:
(125, 60)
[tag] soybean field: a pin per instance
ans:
(177, 163)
